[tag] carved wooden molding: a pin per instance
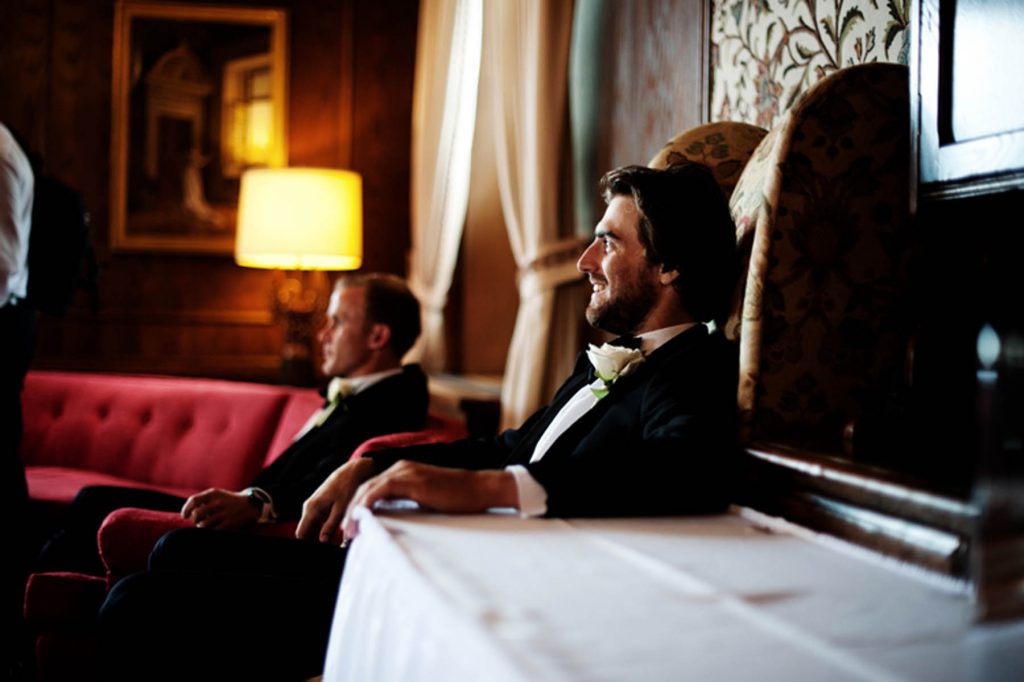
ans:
(879, 510)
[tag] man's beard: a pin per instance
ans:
(627, 310)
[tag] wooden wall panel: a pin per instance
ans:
(315, 105)
(204, 315)
(383, 65)
(657, 73)
(24, 67)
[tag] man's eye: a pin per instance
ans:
(606, 244)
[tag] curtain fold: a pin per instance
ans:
(444, 118)
(527, 52)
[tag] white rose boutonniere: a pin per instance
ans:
(611, 363)
(338, 390)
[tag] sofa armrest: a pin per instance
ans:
(63, 600)
(438, 430)
(127, 537)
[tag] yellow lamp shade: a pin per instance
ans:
(300, 219)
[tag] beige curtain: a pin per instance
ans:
(526, 59)
(444, 117)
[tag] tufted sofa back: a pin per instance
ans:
(174, 433)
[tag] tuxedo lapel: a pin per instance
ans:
(621, 390)
(579, 378)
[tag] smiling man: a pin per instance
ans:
(647, 430)
(371, 321)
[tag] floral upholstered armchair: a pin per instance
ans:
(821, 211)
(725, 147)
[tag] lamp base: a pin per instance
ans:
(296, 305)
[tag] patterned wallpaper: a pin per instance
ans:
(766, 52)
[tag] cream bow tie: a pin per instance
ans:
(339, 389)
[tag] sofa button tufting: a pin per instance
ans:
(146, 417)
(103, 411)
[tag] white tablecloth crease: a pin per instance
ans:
(496, 597)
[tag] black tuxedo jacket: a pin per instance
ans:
(395, 404)
(661, 442)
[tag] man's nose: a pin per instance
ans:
(322, 332)
(586, 263)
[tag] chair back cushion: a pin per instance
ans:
(823, 208)
(724, 147)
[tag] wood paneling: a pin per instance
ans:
(350, 99)
(656, 65)
(383, 65)
(24, 67)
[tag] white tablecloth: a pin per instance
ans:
(495, 597)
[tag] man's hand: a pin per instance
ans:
(439, 488)
(217, 508)
(322, 511)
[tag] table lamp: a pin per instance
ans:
(303, 221)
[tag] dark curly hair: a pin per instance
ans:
(685, 226)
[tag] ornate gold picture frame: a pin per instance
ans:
(199, 94)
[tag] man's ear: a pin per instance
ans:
(666, 277)
(379, 337)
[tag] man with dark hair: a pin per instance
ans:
(648, 429)
(704, 259)
(372, 320)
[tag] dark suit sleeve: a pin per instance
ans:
(667, 448)
(479, 453)
(394, 405)
(489, 453)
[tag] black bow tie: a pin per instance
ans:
(627, 341)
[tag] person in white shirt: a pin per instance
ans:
(17, 337)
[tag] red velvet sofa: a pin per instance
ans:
(177, 435)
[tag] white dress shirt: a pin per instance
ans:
(16, 186)
(533, 499)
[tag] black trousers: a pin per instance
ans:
(222, 605)
(17, 340)
(74, 547)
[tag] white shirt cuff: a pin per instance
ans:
(533, 499)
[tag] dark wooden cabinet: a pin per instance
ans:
(967, 68)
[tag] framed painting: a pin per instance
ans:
(199, 95)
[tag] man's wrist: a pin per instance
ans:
(262, 502)
(363, 468)
(497, 489)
